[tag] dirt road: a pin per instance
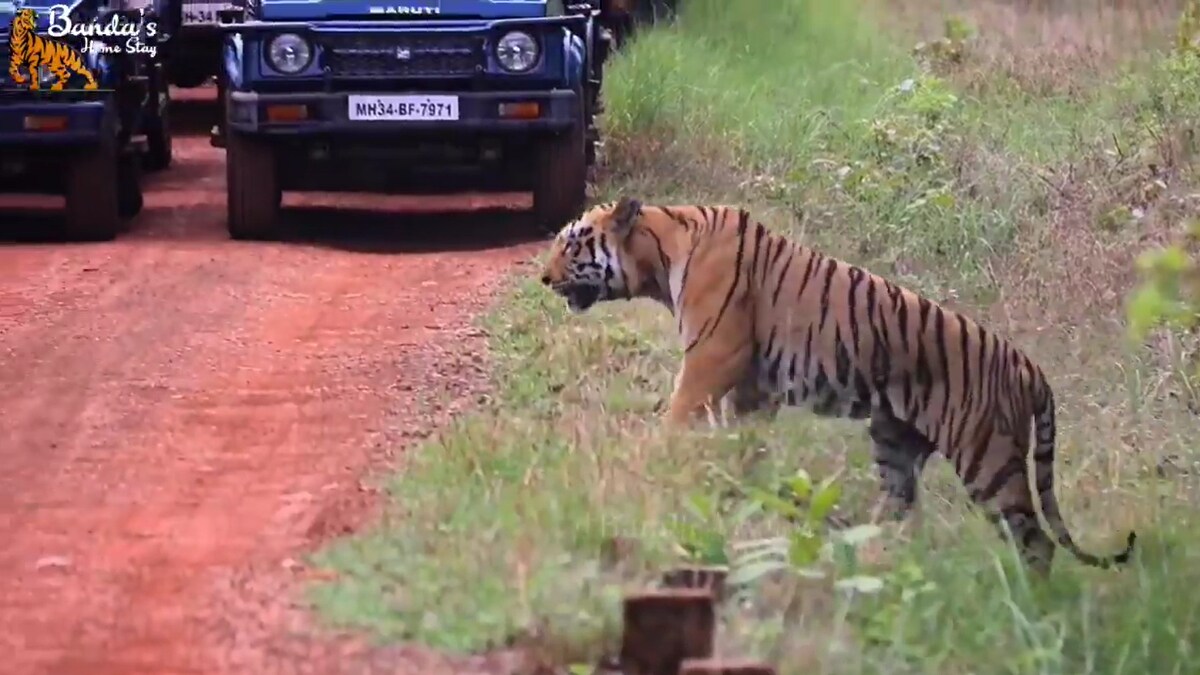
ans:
(182, 417)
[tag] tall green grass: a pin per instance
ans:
(813, 107)
(767, 77)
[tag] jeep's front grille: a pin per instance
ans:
(392, 55)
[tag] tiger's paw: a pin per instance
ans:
(91, 85)
(57, 86)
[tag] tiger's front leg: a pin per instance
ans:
(706, 376)
(14, 71)
(34, 84)
(81, 70)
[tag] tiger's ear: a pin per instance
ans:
(624, 215)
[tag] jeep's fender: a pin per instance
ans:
(575, 63)
(232, 55)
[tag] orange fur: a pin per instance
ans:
(764, 321)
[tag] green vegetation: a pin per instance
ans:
(1018, 180)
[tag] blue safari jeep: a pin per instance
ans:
(411, 96)
(83, 112)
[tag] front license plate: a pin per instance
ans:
(203, 13)
(404, 108)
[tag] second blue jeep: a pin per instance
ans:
(82, 116)
(411, 96)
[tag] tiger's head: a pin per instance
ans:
(598, 257)
(24, 22)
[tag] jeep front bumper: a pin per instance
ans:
(324, 113)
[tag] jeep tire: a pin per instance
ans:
(158, 132)
(93, 204)
(560, 180)
(129, 186)
(252, 185)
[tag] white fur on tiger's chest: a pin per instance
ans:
(675, 285)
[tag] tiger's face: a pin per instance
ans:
(25, 21)
(585, 263)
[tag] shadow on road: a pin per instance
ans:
(351, 230)
(194, 111)
(376, 232)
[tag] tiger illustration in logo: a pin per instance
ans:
(31, 50)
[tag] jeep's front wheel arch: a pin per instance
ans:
(560, 177)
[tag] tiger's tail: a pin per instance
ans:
(1043, 459)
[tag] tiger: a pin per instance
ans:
(31, 50)
(765, 322)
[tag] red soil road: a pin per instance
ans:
(183, 417)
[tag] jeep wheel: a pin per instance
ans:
(252, 186)
(93, 212)
(158, 135)
(216, 134)
(560, 184)
(129, 186)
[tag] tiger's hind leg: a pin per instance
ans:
(997, 480)
(900, 453)
(64, 69)
(87, 75)
(1021, 527)
(62, 74)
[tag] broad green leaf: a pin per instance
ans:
(804, 549)
(746, 511)
(801, 484)
(1146, 309)
(773, 503)
(699, 506)
(750, 573)
(859, 534)
(944, 200)
(826, 498)
(860, 584)
(1173, 260)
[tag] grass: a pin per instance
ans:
(973, 178)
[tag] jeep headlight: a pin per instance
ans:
(289, 53)
(517, 51)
